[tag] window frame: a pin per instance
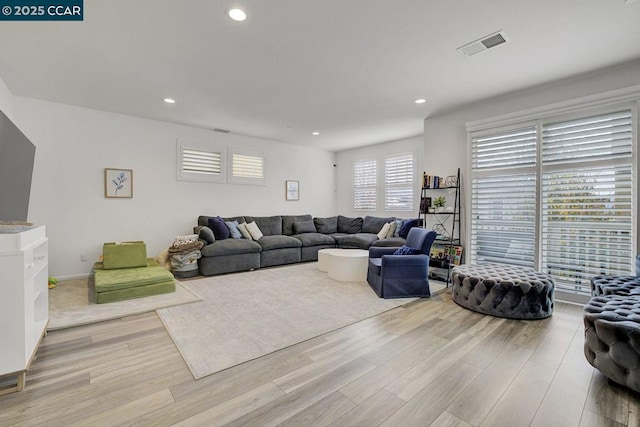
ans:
(364, 188)
(204, 146)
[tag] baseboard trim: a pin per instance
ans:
(73, 277)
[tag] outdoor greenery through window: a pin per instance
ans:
(566, 184)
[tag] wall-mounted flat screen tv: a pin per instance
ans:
(17, 154)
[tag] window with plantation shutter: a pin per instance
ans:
(364, 185)
(557, 196)
(503, 197)
(398, 182)
(587, 199)
(247, 168)
(200, 161)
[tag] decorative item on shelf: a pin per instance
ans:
(118, 183)
(439, 203)
(449, 209)
(451, 181)
(432, 210)
(293, 190)
(425, 204)
(441, 230)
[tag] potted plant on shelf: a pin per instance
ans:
(439, 203)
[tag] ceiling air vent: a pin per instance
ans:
(221, 130)
(483, 44)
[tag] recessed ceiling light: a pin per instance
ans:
(169, 100)
(237, 14)
(315, 133)
(420, 101)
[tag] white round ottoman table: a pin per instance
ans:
(344, 265)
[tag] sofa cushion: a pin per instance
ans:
(230, 247)
(326, 225)
(357, 240)
(382, 234)
(304, 227)
(269, 243)
(254, 230)
(349, 225)
(219, 228)
(392, 230)
(372, 224)
(315, 239)
(288, 220)
(204, 219)
(269, 225)
(392, 242)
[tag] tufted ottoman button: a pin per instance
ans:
(504, 291)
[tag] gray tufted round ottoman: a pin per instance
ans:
(612, 338)
(503, 291)
(615, 285)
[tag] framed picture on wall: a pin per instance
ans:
(292, 189)
(118, 183)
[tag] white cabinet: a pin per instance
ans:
(24, 301)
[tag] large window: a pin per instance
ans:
(398, 182)
(364, 185)
(556, 195)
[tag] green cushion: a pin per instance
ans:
(124, 255)
(110, 280)
(138, 292)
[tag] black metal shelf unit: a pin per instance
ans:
(446, 224)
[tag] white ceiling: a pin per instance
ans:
(349, 69)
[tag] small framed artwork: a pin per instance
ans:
(293, 190)
(118, 183)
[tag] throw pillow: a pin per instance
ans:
(219, 228)
(233, 229)
(407, 225)
(205, 233)
(326, 225)
(304, 227)
(255, 232)
(243, 230)
(398, 227)
(406, 250)
(383, 231)
(392, 229)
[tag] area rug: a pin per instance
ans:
(244, 316)
(69, 304)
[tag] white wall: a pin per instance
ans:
(445, 135)
(6, 100)
(344, 174)
(74, 145)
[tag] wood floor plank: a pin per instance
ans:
(321, 413)
(447, 420)
(431, 402)
(591, 419)
(608, 400)
(372, 411)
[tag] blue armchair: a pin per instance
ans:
(402, 276)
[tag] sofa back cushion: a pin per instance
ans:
(304, 227)
(349, 225)
(288, 220)
(326, 225)
(373, 224)
(268, 225)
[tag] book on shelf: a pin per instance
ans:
(432, 181)
(446, 254)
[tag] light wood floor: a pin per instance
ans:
(428, 363)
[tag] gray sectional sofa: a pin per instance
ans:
(283, 243)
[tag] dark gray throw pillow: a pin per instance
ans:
(349, 225)
(326, 225)
(304, 227)
(204, 233)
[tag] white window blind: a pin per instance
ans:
(198, 161)
(364, 185)
(398, 182)
(247, 168)
(587, 199)
(503, 197)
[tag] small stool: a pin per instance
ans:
(503, 291)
